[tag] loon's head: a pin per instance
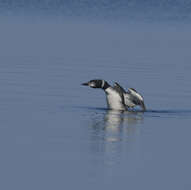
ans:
(96, 83)
(137, 98)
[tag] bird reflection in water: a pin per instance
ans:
(115, 125)
(116, 133)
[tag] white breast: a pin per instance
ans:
(114, 100)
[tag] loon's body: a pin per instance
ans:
(117, 98)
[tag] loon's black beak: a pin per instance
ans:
(85, 84)
(142, 104)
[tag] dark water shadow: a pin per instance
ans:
(90, 108)
(106, 109)
(158, 111)
(169, 113)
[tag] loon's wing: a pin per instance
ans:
(133, 97)
(117, 86)
(129, 100)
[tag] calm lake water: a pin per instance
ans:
(57, 134)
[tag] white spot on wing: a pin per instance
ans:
(136, 94)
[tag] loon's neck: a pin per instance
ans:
(105, 85)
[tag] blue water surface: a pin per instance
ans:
(57, 134)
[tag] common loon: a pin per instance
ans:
(117, 98)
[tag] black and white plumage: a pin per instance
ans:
(117, 98)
